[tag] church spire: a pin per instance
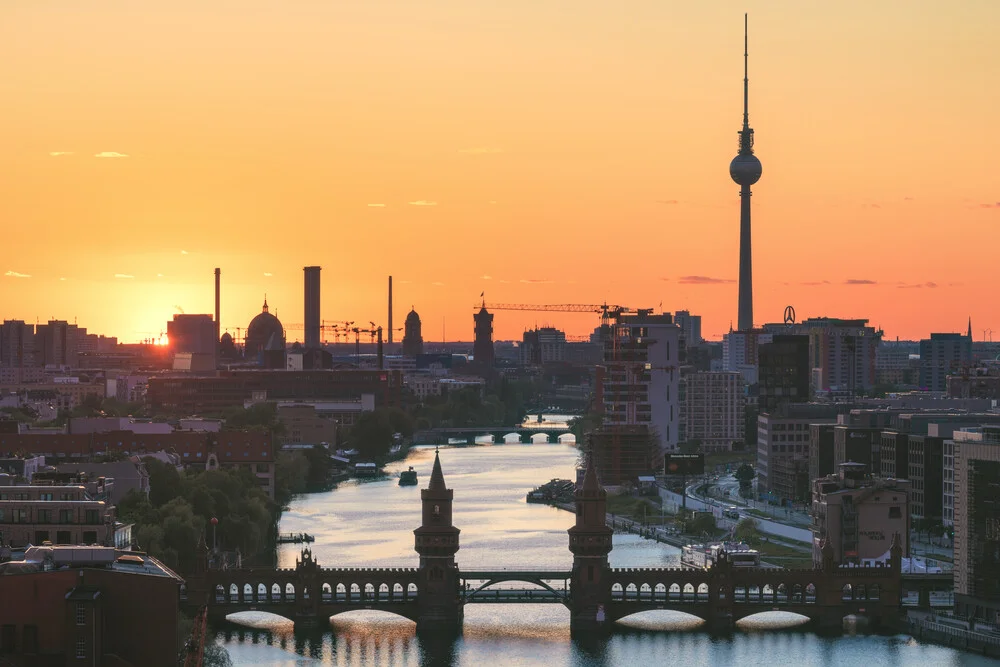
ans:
(970, 327)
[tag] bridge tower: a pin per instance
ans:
(439, 600)
(590, 542)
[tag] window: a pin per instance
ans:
(93, 517)
(44, 516)
(20, 516)
(895, 513)
(65, 516)
(81, 648)
(8, 639)
(45, 496)
(81, 614)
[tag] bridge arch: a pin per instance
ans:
(511, 438)
(539, 438)
(772, 619)
(489, 585)
(566, 438)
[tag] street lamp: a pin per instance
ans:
(214, 522)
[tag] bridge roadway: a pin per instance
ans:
(469, 434)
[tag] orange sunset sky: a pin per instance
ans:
(541, 151)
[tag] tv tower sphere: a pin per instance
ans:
(745, 169)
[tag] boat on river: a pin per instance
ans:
(366, 469)
(408, 477)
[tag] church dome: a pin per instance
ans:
(264, 332)
(412, 317)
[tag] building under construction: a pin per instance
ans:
(637, 391)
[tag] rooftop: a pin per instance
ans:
(62, 557)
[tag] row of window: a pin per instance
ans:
(66, 516)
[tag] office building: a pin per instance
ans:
(713, 409)
(690, 328)
(193, 337)
(821, 450)
(977, 523)
(783, 371)
(58, 514)
(841, 353)
(17, 344)
(541, 346)
(941, 355)
(783, 444)
(858, 515)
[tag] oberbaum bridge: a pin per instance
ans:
(434, 593)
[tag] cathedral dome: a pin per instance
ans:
(264, 332)
(412, 317)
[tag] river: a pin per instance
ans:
(371, 524)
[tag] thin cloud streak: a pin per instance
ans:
(813, 283)
(929, 285)
(486, 277)
(423, 202)
(60, 153)
(859, 281)
(268, 275)
(535, 281)
(110, 154)
(996, 205)
(17, 274)
(376, 205)
(704, 280)
(125, 276)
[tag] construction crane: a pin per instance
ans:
(338, 329)
(554, 308)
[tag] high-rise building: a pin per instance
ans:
(482, 347)
(311, 307)
(977, 523)
(193, 335)
(641, 375)
(413, 341)
(841, 353)
(17, 344)
(713, 410)
(782, 371)
(55, 344)
(745, 170)
(941, 355)
(858, 515)
(542, 346)
(690, 327)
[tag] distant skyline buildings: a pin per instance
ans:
(615, 141)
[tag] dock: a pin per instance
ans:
(295, 538)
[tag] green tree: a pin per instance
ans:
(164, 482)
(702, 523)
(258, 417)
(372, 434)
(291, 475)
(748, 531)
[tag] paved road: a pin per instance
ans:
(770, 527)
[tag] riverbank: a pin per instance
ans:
(928, 626)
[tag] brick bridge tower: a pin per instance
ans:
(590, 542)
(436, 540)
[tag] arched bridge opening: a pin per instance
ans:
(515, 587)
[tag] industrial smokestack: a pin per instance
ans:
(218, 302)
(390, 310)
(311, 318)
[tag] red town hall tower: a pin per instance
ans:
(436, 540)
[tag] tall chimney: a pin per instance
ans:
(218, 324)
(311, 307)
(390, 310)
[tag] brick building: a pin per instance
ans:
(194, 395)
(100, 607)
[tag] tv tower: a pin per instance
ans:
(745, 169)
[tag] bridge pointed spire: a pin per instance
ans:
(590, 482)
(437, 477)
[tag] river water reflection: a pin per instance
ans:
(371, 524)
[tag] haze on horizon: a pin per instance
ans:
(541, 152)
